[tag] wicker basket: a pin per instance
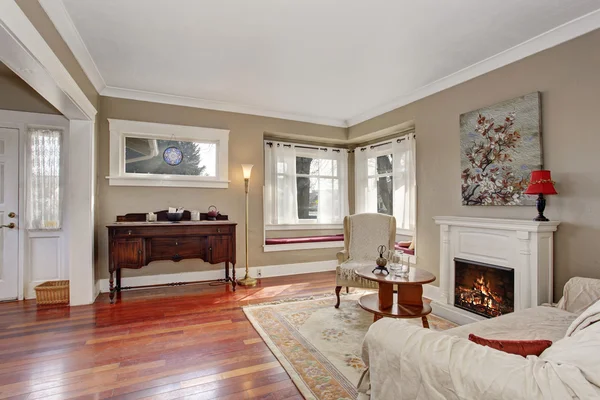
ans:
(52, 292)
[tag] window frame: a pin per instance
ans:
(309, 154)
(380, 153)
(382, 149)
(121, 129)
(307, 224)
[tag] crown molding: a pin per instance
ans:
(560, 34)
(142, 95)
(63, 23)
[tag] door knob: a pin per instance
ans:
(11, 215)
(9, 226)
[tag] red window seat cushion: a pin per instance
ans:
(307, 239)
(405, 249)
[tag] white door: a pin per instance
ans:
(9, 200)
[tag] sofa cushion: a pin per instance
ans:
(522, 348)
(541, 322)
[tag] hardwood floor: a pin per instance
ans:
(191, 341)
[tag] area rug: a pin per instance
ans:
(318, 345)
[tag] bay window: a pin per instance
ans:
(386, 181)
(305, 185)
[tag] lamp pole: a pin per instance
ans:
(247, 280)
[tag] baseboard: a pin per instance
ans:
(265, 272)
(431, 292)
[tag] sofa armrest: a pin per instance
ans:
(409, 362)
(342, 256)
(578, 294)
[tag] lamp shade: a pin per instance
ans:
(541, 183)
(247, 170)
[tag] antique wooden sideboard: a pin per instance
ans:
(134, 243)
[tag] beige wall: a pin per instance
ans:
(17, 95)
(245, 146)
(568, 78)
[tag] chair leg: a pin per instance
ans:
(425, 322)
(347, 289)
(337, 293)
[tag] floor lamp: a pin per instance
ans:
(247, 281)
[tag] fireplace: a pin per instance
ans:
(484, 289)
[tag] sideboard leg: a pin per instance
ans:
(118, 287)
(111, 287)
(233, 282)
(226, 271)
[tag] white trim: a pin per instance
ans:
(26, 53)
(61, 19)
(560, 34)
(142, 95)
(299, 227)
(499, 223)
(120, 129)
(268, 248)
(405, 232)
(266, 272)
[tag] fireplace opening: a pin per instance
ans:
(484, 289)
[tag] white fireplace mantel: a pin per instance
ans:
(523, 245)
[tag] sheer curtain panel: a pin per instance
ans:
(405, 182)
(43, 208)
(333, 192)
(280, 184)
(365, 189)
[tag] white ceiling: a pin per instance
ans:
(331, 61)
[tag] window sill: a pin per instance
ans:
(303, 246)
(166, 182)
(298, 227)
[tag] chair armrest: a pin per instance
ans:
(342, 256)
(578, 294)
(409, 362)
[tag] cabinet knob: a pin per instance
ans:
(176, 243)
(210, 249)
(218, 230)
(129, 232)
(140, 252)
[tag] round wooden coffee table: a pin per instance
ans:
(407, 302)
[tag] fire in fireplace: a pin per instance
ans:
(484, 289)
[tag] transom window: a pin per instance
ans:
(170, 157)
(150, 154)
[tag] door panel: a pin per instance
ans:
(9, 200)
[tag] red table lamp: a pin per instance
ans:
(541, 183)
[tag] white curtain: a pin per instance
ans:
(405, 182)
(333, 193)
(44, 179)
(280, 184)
(365, 164)
(328, 178)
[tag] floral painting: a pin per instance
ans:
(500, 146)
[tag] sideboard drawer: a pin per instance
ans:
(177, 248)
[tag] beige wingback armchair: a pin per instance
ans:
(363, 234)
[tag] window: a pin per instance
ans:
(44, 179)
(386, 181)
(304, 184)
(149, 154)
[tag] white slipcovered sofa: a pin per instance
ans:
(409, 362)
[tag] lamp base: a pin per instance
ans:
(247, 281)
(541, 206)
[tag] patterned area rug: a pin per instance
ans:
(318, 345)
